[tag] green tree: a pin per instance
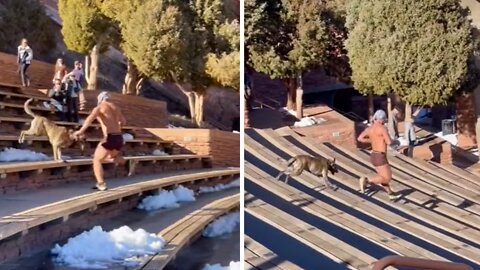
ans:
(119, 11)
(25, 18)
(417, 49)
(285, 39)
(176, 42)
(86, 30)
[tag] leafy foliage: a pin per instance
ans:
(284, 38)
(25, 18)
(419, 50)
(84, 26)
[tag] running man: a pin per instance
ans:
(379, 138)
(111, 120)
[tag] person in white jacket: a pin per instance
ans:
(24, 59)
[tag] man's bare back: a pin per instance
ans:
(110, 117)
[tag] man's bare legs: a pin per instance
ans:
(100, 155)
(382, 178)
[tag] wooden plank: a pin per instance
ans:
(45, 138)
(60, 123)
(442, 221)
(42, 165)
(322, 242)
(336, 216)
(178, 234)
(445, 190)
(420, 231)
(33, 108)
(18, 222)
(266, 257)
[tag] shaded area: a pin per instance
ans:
(283, 245)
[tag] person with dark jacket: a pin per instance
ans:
(57, 99)
(72, 89)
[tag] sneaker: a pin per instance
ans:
(46, 105)
(393, 196)
(362, 182)
(131, 167)
(100, 186)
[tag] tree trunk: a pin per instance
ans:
(132, 79)
(291, 93)
(191, 104)
(93, 69)
(370, 107)
(408, 112)
(246, 119)
(299, 103)
(199, 97)
(391, 121)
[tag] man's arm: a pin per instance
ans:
(93, 115)
(121, 118)
(363, 136)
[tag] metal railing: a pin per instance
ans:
(395, 260)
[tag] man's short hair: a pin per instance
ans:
(380, 115)
(102, 97)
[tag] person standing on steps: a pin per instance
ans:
(24, 59)
(379, 138)
(111, 120)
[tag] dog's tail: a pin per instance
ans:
(27, 109)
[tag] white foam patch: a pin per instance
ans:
(127, 136)
(10, 154)
(220, 187)
(451, 138)
(99, 249)
(167, 199)
(158, 152)
(231, 266)
(223, 225)
(308, 121)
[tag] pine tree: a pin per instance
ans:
(86, 30)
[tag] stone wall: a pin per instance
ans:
(224, 147)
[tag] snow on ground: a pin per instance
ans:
(10, 154)
(98, 249)
(167, 199)
(235, 131)
(220, 187)
(308, 121)
(231, 266)
(159, 152)
(451, 138)
(222, 225)
(127, 136)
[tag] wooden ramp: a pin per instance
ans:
(187, 229)
(436, 218)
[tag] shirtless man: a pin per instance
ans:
(379, 138)
(111, 120)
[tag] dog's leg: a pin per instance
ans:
(280, 173)
(325, 179)
(22, 137)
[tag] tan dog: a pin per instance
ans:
(59, 137)
(315, 165)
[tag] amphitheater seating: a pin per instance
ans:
(258, 256)
(188, 228)
(436, 218)
(47, 201)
